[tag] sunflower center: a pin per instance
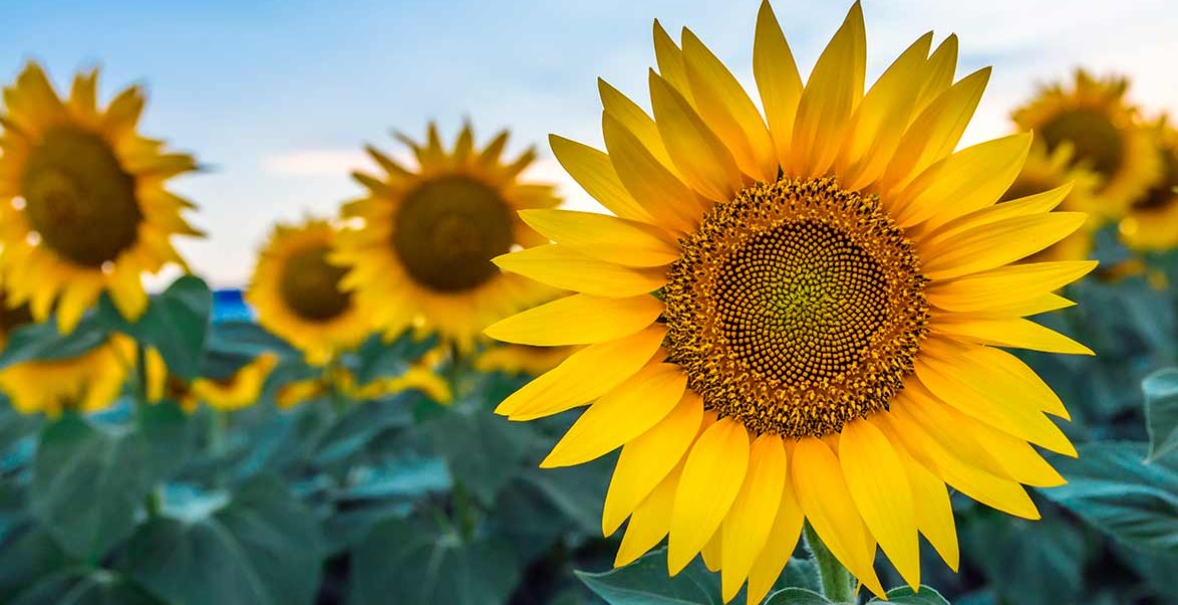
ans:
(448, 229)
(310, 285)
(78, 197)
(796, 308)
(1162, 194)
(1096, 139)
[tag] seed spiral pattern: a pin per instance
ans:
(796, 308)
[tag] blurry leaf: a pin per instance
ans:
(27, 554)
(483, 450)
(646, 582)
(263, 548)
(80, 586)
(404, 478)
(578, 492)
(905, 596)
(42, 341)
(1111, 487)
(378, 359)
(233, 344)
(800, 573)
(799, 596)
(351, 430)
(168, 436)
(406, 563)
(1161, 411)
(176, 323)
(15, 426)
(1031, 562)
(87, 484)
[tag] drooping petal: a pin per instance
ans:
(783, 538)
(749, 522)
(651, 520)
(934, 512)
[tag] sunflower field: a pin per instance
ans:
(810, 348)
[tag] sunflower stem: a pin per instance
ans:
(838, 584)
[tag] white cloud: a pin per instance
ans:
(316, 162)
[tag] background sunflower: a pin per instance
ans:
(85, 208)
(422, 253)
(1151, 223)
(1045, 171)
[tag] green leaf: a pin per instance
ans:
(1028, 562)
(263, 548)
(42, 341)
(87, 484)
(1110, 487)
(378, 359)
(233, 344)
(646, 582)
(14, 426)
(905, 596)
(578, 492)
(176, 323)
(406, 563)
(798, 596)
(27, 554)
(85, 587)
(1161, 411)
(483, 450)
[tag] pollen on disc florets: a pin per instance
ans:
(796, 307)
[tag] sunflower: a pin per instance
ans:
(83, 204)
(1045, 171)
(803, 320)
(342, 381)
(1152, 220)
(86, 383)
(521, 359)
(239, 390)
(423, 253)
(1104, 129)
(297, 292)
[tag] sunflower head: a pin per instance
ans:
(1105, 132)
(1152, 221)
(1045, 171)
(82, 198)
(801, 314)
(425, 236)
(296, 289)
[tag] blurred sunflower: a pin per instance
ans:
(1103, 128)
(1045, 171)
(240, 389)
(830, 293)
(86, 383)
(520, 359)
(417, 377)
(1152, 221)
(297, 292)
(85, 207)
(423, 254)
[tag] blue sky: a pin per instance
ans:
(278, 97)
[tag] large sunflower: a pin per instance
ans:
(1105, 131)
(84, 205)
(86, 383)
(423, 253)
(1044, 171)
(297, 292)
(799, 320)
(1152, 220)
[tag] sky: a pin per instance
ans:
(277, 98)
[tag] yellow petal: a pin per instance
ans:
(957, 375)
(651, 520)
(728, 110)
(968, 180)
(660, 193)
(934, 512)
(578, 319)
(584, 376)
(778, 80)
(700, 156)
(74, 301)
(563, 268)
(622, 414)
(999, 243)
(1039, 203)
(617, 240)
(594, 172)
(834, 89)
(935, 132)
(748, 524)
(877, 125)
(942, 66)
(1015, 333)
(712, 477)
(670, 60)
(879, 485)
(828, 504)
(126, 290)
(996, 288)
(1013, 377)
(648, 458)
(783, 538)
(713, 552)
(635, 120)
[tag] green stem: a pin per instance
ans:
(151, 503)
(464, 511)
(838, 584)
